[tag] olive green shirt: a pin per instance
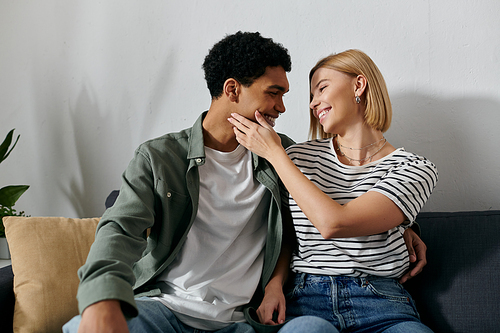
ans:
(160, 190)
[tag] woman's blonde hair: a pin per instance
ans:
(378, 112)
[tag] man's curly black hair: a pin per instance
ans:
(244, 57)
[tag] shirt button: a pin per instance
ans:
(169, 195)
(198, 160)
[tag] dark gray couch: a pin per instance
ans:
(458, 290)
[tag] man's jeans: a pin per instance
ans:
(369, 304)
(156, 317)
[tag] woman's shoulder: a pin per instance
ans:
(311, 144)
(403, 159)
(408, 156)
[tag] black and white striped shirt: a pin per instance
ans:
(405, 178)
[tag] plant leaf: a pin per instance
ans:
(10, 194)
(4, 147)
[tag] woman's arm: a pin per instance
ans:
(369, 214)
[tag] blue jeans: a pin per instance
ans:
(155, 317)
(350, 304)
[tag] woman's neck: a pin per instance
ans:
(361, 147)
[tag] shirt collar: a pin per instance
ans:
(197, 147)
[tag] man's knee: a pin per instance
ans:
(308, 324)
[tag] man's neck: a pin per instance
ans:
(218, 133)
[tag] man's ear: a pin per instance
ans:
(232, 89)
(360, 85)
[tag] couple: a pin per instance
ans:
(204, 230)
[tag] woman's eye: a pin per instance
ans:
(322, 88)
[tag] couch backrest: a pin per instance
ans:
(459, 289)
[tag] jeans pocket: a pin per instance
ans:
(393, 293)
(389, 289)
(292, 291)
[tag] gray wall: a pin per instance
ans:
(85, 82)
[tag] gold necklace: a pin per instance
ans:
(371, 144)
(363, 159)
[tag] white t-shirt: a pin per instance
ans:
(219, 267)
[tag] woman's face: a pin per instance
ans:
(333, 100)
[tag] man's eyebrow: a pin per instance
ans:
(280, 88)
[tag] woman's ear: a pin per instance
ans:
(360, 86)
(231, 89)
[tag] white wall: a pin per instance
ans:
(85, 82)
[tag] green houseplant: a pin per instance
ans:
(9, 194)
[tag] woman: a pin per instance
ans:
(352, 195)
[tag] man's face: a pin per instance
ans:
(265, 95)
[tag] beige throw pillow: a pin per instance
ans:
(46, 253)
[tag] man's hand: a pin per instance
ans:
(417, 251)
(274, 301)
(104, 316)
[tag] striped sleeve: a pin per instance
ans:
(409, 184)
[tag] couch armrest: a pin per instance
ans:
(7, 298)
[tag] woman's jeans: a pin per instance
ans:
(370, 304)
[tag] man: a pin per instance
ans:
(212, 210)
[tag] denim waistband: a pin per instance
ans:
(302, 278)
